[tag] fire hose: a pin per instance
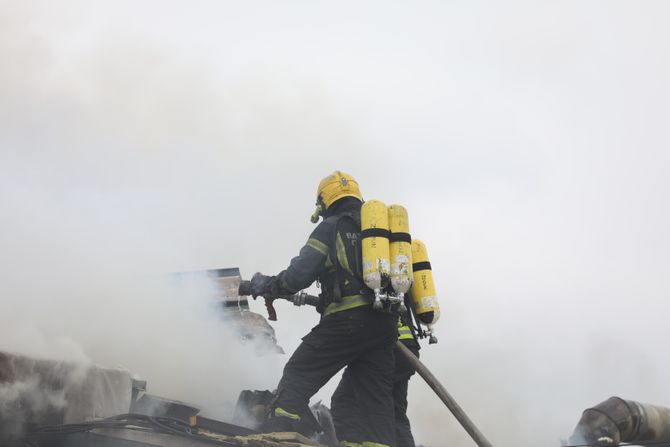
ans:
(303, 298)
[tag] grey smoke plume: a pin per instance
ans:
(27, 395)
(38, 401)
(35, 391)
(527, 140)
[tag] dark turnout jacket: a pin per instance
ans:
(332, 255)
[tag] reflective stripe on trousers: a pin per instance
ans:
(404, 333)
(280, 412)
(364, 444)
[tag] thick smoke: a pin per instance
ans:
(527, 140)
(31, 392)
(96, 218)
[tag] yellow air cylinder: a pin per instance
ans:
(401, 249)
(424, 298)
(375, 245)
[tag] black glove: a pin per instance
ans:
(261, 285)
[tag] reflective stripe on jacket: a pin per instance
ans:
(315, 260)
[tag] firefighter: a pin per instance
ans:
(345, 407)
(350, 333)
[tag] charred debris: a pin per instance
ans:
(46, 403)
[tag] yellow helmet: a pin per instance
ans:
(332, 188)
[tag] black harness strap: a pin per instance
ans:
(401, 237)
(337, 289)
(375, 232)
(418, 266)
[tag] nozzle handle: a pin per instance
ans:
(272, 313)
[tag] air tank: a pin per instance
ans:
(401, 249)
(424, 298)
(375, 245)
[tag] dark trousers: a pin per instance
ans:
(346, 407)
(360, 339)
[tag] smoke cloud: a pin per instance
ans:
(527, 140)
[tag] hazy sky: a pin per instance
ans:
(527, 139)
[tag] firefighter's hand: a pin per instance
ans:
(260, 285)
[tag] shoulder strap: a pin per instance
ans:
(337, 290)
